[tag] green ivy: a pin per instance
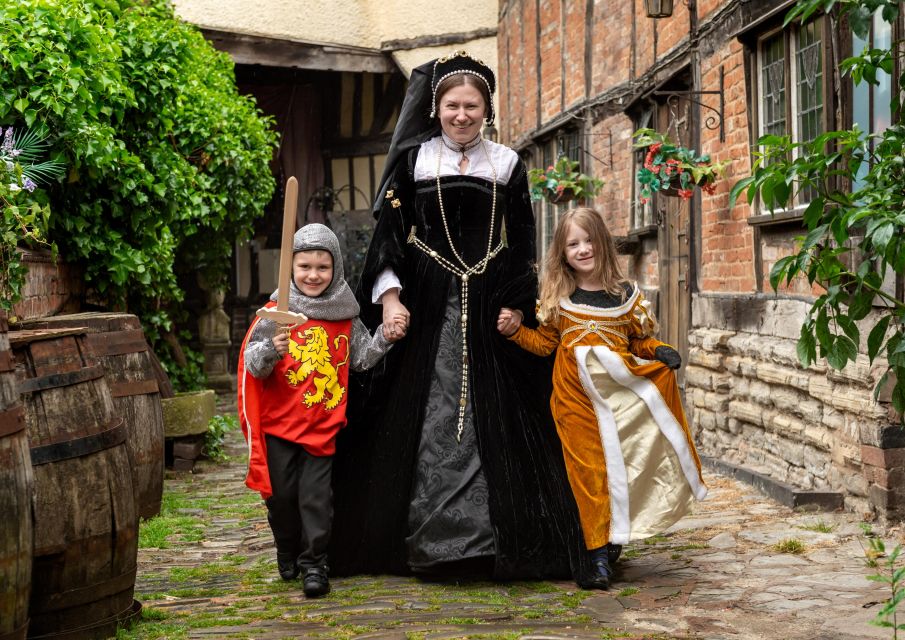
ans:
(168, 163)
(855, 236)
(217, 429)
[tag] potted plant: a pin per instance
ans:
(24, 208)
(562, 182)
(672, 169)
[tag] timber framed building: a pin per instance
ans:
(578, 77)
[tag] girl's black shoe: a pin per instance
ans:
(615, 550)
(602, 571)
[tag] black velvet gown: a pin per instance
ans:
(403, 503)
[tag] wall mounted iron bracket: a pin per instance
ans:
(712, 121)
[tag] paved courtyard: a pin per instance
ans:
(724, 572)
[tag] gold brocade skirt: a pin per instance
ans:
(629, 454)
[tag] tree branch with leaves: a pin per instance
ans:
(855, 220)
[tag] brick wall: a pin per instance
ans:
(750, 401)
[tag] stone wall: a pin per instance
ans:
(752, 404)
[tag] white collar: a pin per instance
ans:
(612, 312)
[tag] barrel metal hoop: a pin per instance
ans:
(116, 343)
(79, 447)
(84, 595)
(125, 617)
(54, 380)
(16, 634)
(12, 420)
(133, 388)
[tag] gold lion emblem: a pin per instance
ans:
(314, 356)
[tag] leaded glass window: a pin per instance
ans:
(809, 80)
(773, 93)
(791, 92)
(871, 109)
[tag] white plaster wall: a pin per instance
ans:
(356, 23)
(483, 49)
(316, 21)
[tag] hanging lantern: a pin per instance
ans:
(658, 8)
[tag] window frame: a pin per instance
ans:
(563, 141)
(645, 213)
(790, 39)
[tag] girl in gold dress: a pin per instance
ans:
(629, 454)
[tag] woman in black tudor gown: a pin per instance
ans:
(451, 462)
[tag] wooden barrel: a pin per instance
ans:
(85, 527)
(16, 486)
(118, 343)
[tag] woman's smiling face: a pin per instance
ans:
(462, 111)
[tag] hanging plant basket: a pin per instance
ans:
(561, 197)
(675, 186)
(666, 163)
(561, 182)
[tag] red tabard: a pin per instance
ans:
(303, 400)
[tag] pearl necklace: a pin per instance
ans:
(463, 273)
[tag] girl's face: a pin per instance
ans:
(312, 271)
(462, 112)
(579, 251)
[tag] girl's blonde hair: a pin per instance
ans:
(557, 279)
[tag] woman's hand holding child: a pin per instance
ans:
(398, 326)
(509, 321)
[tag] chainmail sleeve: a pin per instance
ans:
(367, 350)
(260, 354)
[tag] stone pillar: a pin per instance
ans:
(213, 330)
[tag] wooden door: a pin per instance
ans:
(674, 245)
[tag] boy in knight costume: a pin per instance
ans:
(293, 384)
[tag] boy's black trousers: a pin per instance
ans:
(300, 511)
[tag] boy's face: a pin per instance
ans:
(312, 271)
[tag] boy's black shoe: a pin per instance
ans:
(615, 550)
(602, 573)
(288, 566)
(315, 582)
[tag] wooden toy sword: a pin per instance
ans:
(281, 314)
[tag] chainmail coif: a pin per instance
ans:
(337, 302)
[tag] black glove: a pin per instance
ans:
(668, 356)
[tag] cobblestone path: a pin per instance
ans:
(717, 574)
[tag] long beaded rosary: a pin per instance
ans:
(463, 273)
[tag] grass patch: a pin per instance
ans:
(820, 527)
(156, 532)
(656, 540)
(573, 600)
(789, 545)
(204, 572)
(628, 591)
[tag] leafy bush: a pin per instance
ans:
(217, 429)
(169, 165)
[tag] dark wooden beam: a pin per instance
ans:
(357, 147)
(438, 40)
(274, 52)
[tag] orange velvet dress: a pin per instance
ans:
(629, 454)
